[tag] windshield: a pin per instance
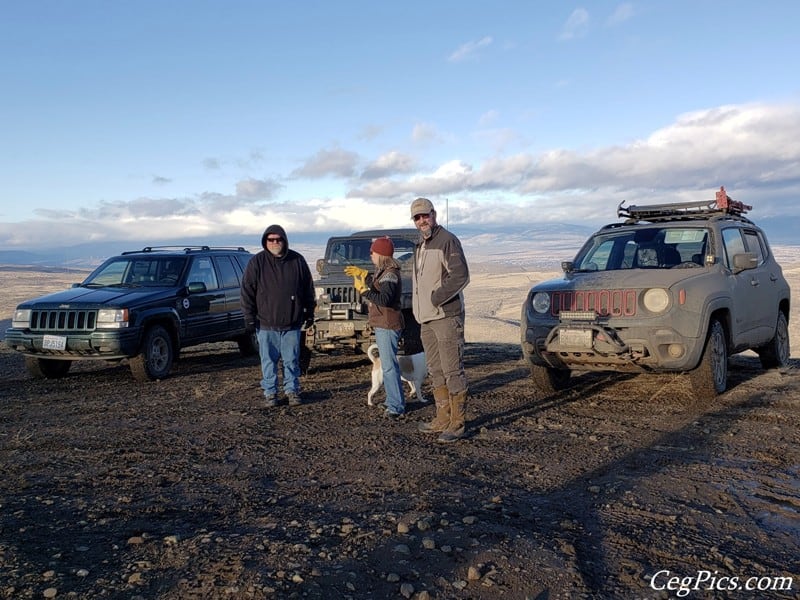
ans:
(352, 251)
(650, 248)
(137, 270)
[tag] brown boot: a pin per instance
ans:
(442, 419)
(458, 416)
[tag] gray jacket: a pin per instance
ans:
(440, 276)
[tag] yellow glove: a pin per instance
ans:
(354, 272)
(359, 275)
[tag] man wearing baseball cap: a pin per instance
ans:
(440, 276)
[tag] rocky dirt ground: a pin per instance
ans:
(618, 487)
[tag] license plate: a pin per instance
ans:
(345, 328)
(54, 342)
(575, 338)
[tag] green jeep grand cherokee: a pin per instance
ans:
(143, 306)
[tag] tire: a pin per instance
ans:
(156, 355)
(775, 353)
(710, 378)
(548, 379)
(47, 368)
(248, 344)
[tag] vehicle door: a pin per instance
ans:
(205, 315)
(749, 292)
(230, 280)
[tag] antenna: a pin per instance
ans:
(447, 212)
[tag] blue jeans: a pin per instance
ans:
(387, 340)
(272, 347)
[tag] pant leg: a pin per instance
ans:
(290, 353)
(269, 353)
(431, 345)
(449, 334)
(388, 340)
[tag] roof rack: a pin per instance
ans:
(186, 249)
(721, 205)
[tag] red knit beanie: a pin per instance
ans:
(382, 246)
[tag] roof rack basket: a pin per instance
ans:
(721, 205)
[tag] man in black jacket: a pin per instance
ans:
(278, 302)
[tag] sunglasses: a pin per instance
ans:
(275, 240)
(422, 216)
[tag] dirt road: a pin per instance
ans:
(619, 487)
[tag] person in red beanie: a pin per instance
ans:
(382, 291)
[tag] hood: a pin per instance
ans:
(82, 297)
(274, 229)
(627, 279)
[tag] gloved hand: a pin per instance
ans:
(308, 324)
(355, 271)
(359, 275)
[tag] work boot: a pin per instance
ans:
(442, 419)
(293, 398)
(458, 416)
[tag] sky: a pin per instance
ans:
(156, 120)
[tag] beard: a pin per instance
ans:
(426, 230)
(276, 251)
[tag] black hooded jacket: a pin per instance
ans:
(277, 291)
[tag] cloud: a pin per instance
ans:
(469, 50)
(751, 149)
(335, 162)
(622, 13)
(158, 180)
(211, 164)
(391, 163)
(425, 133)
(577, 25)
(257, 188)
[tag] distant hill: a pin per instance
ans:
(545, 244)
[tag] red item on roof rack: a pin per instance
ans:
(729, 205)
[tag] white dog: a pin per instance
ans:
(412, 370)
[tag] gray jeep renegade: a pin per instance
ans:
(672, 288)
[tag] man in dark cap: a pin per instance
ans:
(278, 302)
(440, 276)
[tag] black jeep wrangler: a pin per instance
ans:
(143, 306)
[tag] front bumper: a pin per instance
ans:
(597, 347)
(106, 345)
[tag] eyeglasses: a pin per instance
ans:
(422, 216)
(275, 240)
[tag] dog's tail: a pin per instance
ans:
(372, 353)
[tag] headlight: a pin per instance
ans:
(112, 318)
(541, 302)
(656, 300)
(22, 318)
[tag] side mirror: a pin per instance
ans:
(567, 266)
(320, 265)
(196, 287)
(744, 261)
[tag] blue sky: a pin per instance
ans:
(155, 120)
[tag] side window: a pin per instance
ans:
(202, 270)
(243, 259)
(734, 244)
(227, 272)
(754, 245)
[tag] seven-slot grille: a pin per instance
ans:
(605, 303)
(342, 293)
(63, 320)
